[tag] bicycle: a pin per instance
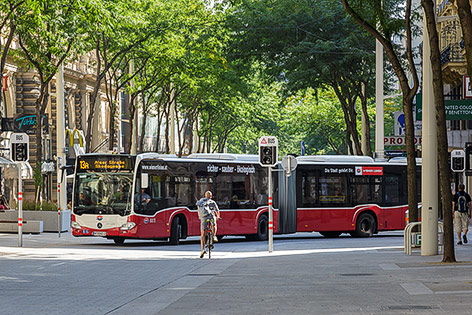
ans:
(209, 236)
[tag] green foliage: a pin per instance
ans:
(315, 117)
(242, 69)
(44, 206)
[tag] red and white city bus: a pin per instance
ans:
(108, 195)
(326, 194)
(349, 194)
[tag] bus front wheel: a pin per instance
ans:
(175, 232)
(119, 240)
(365, 226)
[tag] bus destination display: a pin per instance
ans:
(105, 163)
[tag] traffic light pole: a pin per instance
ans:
(20, 206)
(271, 216)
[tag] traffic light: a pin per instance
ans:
(458, 160)
(268, 156)
(19, 152)
(468, 156)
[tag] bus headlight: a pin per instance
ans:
(127, 226)
(75, 225)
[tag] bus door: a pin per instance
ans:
(395, 192)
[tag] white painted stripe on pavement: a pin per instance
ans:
(100, 254)
(416, 288)
(389, 267)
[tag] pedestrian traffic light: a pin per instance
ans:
(458, 160)
(268, 146)
(19, 152)
(267, 156)
(468, 156)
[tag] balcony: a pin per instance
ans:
(452, 56)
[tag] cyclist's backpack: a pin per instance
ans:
(203, 208)
(462, 204)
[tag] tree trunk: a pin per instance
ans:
(5, 54)
(444, 170)
(366, 122)
(411, 159)
(143, 129)
(111, 126)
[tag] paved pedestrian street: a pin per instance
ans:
(306, 274)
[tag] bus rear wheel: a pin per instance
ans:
(365, 226)
(331, 234)
(263, 228)
(175, 231)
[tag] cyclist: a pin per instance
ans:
(207, 209)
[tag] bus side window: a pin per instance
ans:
(392, 189)
(309, 190)
(333, 190)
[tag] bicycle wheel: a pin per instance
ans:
(210, 243)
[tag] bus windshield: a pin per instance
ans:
(103, 193)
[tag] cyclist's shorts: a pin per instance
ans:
(203, 222)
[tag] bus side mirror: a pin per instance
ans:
(144, 180)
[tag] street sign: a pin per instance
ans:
(390, 141)
(458, 161)
(268, 151)
(19, 147)
(289, 164)
(455, 109)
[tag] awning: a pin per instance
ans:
(11, 170)
(6, 162)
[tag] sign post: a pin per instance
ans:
(268, 156)
(20, 206)
(19, 152)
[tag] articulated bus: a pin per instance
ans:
(326, 194)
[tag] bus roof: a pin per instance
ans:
(351, 159)
(225, 156)
(247, 158)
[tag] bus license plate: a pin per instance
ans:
(99, 233)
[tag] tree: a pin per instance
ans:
(444, 169)
(390, 24)
(8, 11)
(307, 46)
(49, 31)
(315, 117)
(120, 28)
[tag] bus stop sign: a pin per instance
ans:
(289, 163)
